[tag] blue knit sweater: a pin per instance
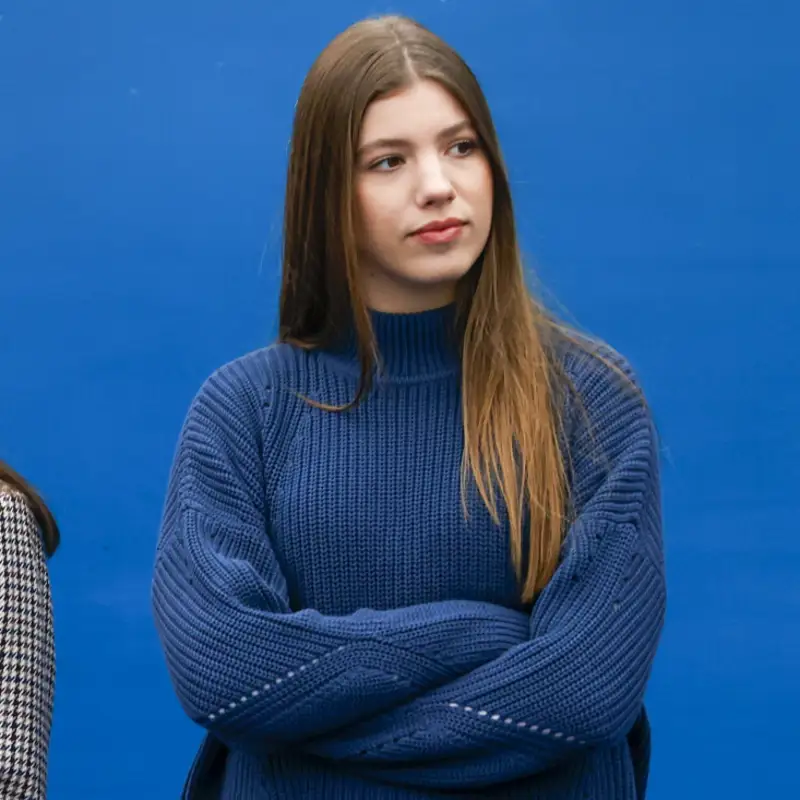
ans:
(328, 612)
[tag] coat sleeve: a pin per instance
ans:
(243, 664)
(27, 660)
(579, 679)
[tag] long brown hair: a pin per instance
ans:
(42, 514)
(510, 383)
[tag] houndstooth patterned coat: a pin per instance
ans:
(27, 654)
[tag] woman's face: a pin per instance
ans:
(424, 191)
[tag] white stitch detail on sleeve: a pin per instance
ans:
(267, 686)
(510, 721)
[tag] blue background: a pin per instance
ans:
(653, 152)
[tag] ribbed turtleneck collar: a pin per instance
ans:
(415, 345)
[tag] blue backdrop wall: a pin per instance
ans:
(653, 152)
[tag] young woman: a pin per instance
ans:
(28, 535)
(413, 550)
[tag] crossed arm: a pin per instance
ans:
(448, 694)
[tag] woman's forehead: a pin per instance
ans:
(425, 109)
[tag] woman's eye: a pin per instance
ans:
(460, 149)
(387, 164)
(464, 147)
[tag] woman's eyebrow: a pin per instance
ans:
(446, 133)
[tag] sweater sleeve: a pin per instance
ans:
(27, 662)
(579, 680)
(246, 666)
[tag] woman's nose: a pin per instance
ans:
(435, 188)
